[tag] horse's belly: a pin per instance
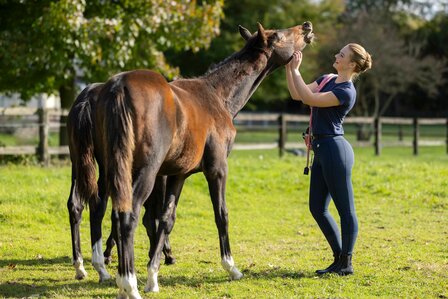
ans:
(181, 160)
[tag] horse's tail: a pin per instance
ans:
(119, 146)
(80, 131)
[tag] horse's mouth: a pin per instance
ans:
(309, 37)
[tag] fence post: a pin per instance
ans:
(447, 135)
(281, 134)
(42, 149)
(377, 125)
(416, 136)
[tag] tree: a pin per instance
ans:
(397, 63)
(435, 45)
(273, 93)
(46, 46)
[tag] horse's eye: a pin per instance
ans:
(277, 37)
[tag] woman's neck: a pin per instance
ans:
(344, 77)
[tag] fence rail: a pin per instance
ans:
(46, 119)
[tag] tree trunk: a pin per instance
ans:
(67, 95)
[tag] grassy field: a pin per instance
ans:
(401, 252)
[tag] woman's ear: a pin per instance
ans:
(352, 65)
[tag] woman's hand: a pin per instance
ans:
(296, 60)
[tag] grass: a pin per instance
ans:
(401, 252)
(31, 139)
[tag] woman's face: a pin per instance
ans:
(343, 60)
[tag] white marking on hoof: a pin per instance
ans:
(79, 268)
(229, 265)
(127, 285)
(98, 261)
(151, 284)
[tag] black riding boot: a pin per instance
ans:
(344, 266)
(331, 267)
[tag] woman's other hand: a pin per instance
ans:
(296, 60)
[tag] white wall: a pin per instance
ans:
(50, 101)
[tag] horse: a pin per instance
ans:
(144, 128)
(85, 191)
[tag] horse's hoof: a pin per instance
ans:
(122, 296)
(135, 295)
(151, 289)
(170, 261)
(152, 284)
(80, 274)
(235, 274)
(105, 278)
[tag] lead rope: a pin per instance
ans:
(306, 170)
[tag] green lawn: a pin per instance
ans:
(401, 201)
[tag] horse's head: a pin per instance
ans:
(278, 44)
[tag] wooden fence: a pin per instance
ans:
(48, 119)
(283, 120)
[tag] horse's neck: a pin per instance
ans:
(234, 81)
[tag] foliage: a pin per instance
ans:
(271, 14)
(435, 45)
(50, 46)
(397, 64)
(403, 72)
(401, 203)
(46, 44)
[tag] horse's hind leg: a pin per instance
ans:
(168, 216)
(75, 208)
(110, 243)
(97, 209)
(153, 210)
(153, 207)
(125, 222)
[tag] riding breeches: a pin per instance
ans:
(331, 179)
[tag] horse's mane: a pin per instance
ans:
(247, 50)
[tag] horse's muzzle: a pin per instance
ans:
(307, 29)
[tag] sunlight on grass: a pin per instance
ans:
(401, 202)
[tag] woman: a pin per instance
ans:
(333, 155)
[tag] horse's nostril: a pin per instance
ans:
(307, 26)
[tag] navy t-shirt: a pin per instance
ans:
(329, 120)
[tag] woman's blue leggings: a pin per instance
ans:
(331, 178)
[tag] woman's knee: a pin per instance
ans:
(349, 221)
(317, 210)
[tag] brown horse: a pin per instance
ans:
(84, 190)
(145, 127)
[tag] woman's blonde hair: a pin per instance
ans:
(360, 57)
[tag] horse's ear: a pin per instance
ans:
(244, 32)
(261, 33)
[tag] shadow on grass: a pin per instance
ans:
(13, 289)
(263, 274)
(43, 286)
(276, 272)
(35, 262)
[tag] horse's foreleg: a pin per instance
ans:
(75, 208)
(166, 223)
(216, 177)
(97, 210)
